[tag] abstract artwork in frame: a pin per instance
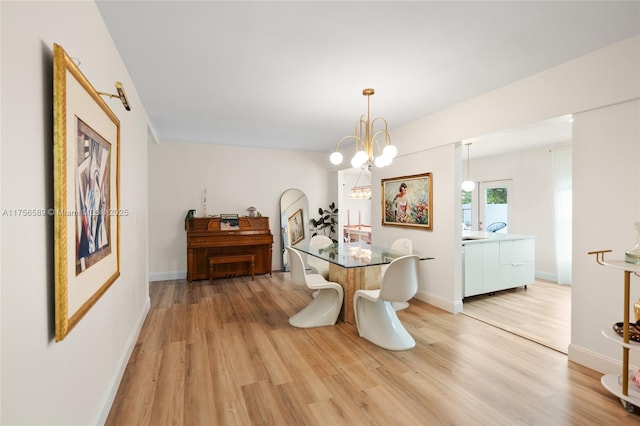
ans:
(86, 194)
(408, 201)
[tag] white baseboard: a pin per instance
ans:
(454, 307)
(546, 276)
(124, 361)
(593, 360)
(165, 276)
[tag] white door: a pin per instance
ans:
(493, 205)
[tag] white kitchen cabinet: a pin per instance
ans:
(498, 263)
(472, 268)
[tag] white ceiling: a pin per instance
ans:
(290, 74)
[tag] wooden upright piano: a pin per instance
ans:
(205, 238)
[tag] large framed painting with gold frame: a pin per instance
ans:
(86, 179)
(408, 201)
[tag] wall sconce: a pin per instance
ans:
(121, 95)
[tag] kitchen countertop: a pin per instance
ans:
(475, 237)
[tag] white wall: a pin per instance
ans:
(235, 178)
(606, 158)
(593, 84)
(71, 382)
(438, 275)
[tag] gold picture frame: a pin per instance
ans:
(86, 179)
(408, 201)
(295, 226)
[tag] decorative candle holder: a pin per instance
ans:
(204, 202)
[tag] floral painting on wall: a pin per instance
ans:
(408, 201)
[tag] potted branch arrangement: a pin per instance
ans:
(327, 222)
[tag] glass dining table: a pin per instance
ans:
(355, 266)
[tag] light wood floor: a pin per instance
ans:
(541, 312)
(226, 355)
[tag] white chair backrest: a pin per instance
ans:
(298, 272)
(320, 241)
(318, 265)
(400, 281)
(403, 245)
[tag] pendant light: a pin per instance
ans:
(468, 185)
(362, 192)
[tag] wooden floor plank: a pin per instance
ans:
(135, 405)
(199, 395)
(168, 404)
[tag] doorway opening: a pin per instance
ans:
(354, 214)
(516, 183)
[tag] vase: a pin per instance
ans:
(633, 255)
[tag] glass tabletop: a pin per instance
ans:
(353, 255)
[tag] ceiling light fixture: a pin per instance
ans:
(468, 185)
(121, 95)
(365, 137)
(362, 192)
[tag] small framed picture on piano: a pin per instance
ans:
(229, 222)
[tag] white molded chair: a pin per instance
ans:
(496, 226)
(325, 307)
(376, 318)
(317, 265)
(403, 245)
